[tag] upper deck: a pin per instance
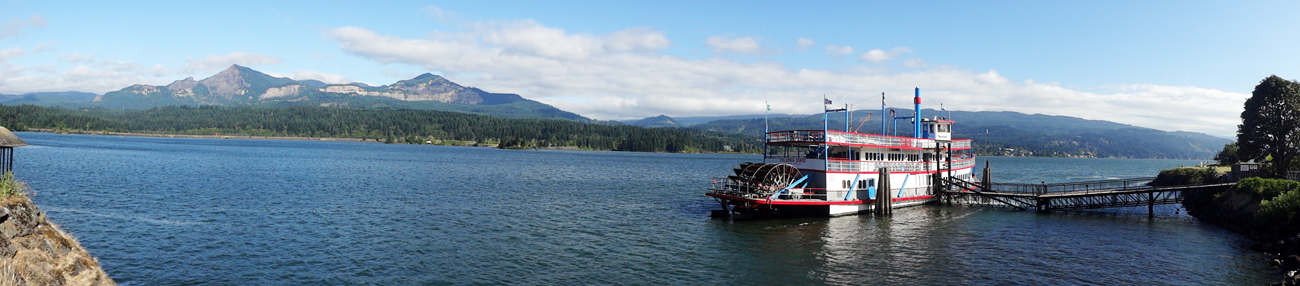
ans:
(832, 137)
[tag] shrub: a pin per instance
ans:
(1281, 212)
(1185, 176)
(1264, 189)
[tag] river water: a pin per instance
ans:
(159, 211)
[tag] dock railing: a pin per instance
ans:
(1085, 187)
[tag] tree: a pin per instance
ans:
(1228, 155)
(1270, 125)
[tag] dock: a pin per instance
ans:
(1044, 197)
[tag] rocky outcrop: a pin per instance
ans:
(36, 252)
(183, 87)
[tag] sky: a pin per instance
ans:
(1168, 65)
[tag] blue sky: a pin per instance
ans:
(1176, 65)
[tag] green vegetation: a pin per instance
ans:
(1228, 155)
(1185, 176)
(1279, 203)
(1265, 189)
(1270, 126)
(393, 126)
(10, 187)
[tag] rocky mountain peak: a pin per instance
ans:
(184, 84)
(227, 83)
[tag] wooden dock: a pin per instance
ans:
(1133, 192)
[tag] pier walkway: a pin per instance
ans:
(1133, 192)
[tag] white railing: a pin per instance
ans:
(796, 136)
(872, 166)
(879, 140)
(960, 144)
(858, 138)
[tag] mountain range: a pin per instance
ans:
(242, 86)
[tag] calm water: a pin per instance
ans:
(196, 211)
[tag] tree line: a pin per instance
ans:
(392, 126)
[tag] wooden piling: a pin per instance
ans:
(884, 204)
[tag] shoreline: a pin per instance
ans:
(333, 139)
(191, 136)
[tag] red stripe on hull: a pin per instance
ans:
(814, 203)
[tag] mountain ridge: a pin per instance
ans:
(243, 86)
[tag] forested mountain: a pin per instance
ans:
(242, 86)
(406, 126)
(657, 121)
(48, 98)
(1016, 134)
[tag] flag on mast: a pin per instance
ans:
(828, 101)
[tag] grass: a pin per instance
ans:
(10, 187)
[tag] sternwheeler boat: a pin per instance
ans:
(831, 172)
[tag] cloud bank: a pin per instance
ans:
(623, 75)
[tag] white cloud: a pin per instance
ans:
(839, 50)
(434, 12)
(10, 53)
(915, 63)
(728, 44)
(13, 28)
(324, 77)
(879, 56)
(77, 58)
(99, 77)
(636, 39)
(214, 63)
(577, 76)
(45, 46)
(804, 43)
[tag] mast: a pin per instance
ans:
(826, 152)
(883, 130)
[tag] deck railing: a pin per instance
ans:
(858, 138)
(872, 166)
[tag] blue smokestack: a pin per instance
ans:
(916, 117)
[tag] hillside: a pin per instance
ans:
(48, 98)
(1018, 134)
(242, 86)
(655, 122)
(393, 126)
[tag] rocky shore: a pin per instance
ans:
(1236, 210)
(34, 251)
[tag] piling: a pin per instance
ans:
(987, 179)
(884, 204)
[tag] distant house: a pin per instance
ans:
(7, 143)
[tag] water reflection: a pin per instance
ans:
(961, 246)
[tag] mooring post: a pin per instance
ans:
(882, 193)
(1151, 204)
(987, 180)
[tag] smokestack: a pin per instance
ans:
(916, 118)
